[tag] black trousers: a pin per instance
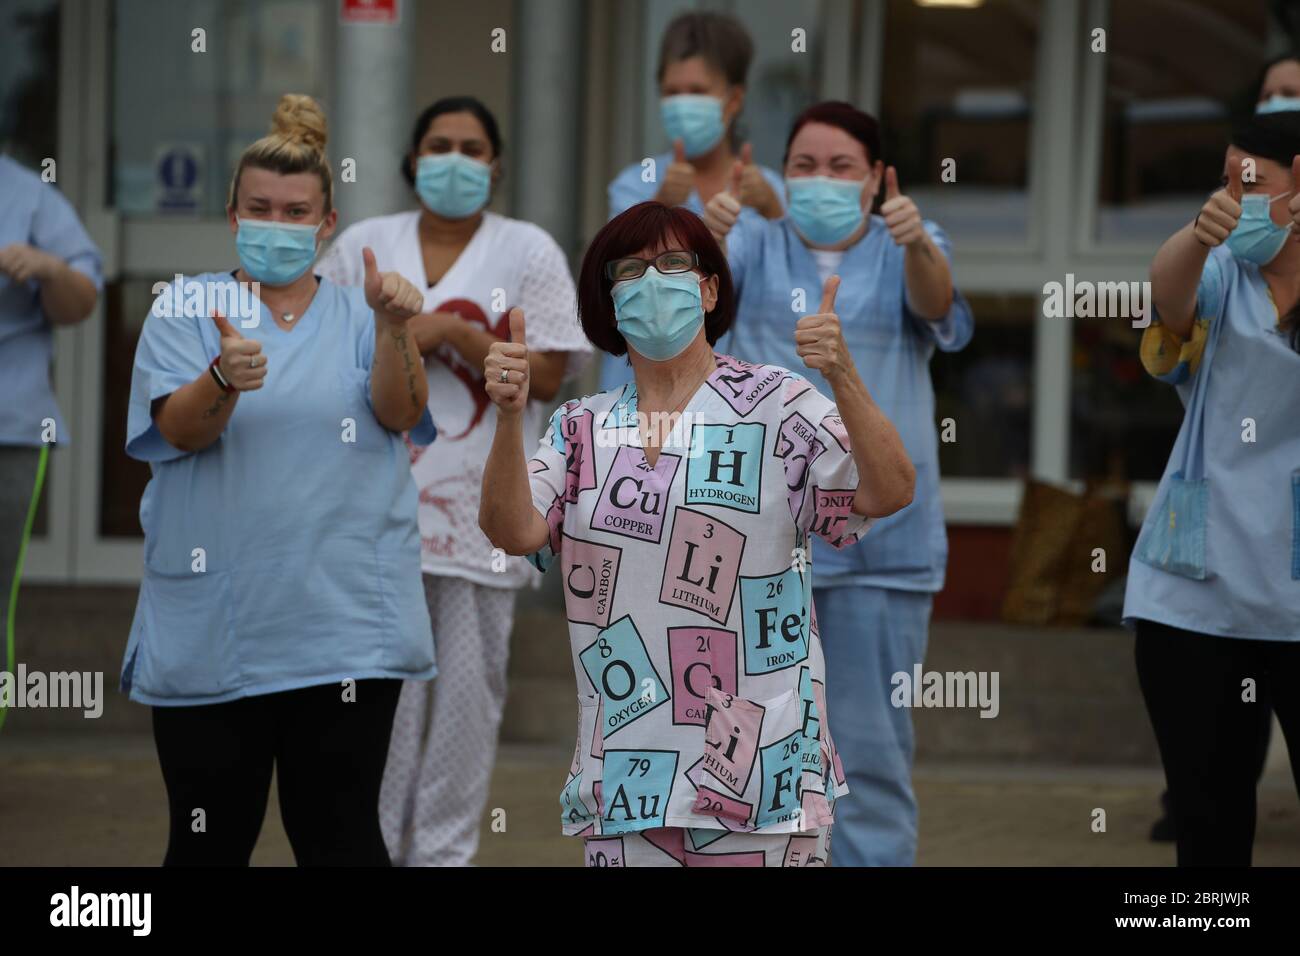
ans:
(1193, 685)
(328, 754)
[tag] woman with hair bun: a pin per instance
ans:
(471, 266)
(280, 605)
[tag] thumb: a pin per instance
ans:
(891, 183)
(517, 326)
(679, 151)
(224, 327)
(747, 154)
(372, 267)
(1234, 183)
(831, 287)
(737, 178)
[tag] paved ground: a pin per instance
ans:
(79, 800)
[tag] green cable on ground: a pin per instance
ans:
(18, 570)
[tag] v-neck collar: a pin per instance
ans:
(460, 259)
(266, 319)
(625, 414)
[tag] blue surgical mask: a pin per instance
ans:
(825, 210)
(1257, 238)
(453, 185)
(275, 253)
(1277, 103)
(695, 119)
(659, 315)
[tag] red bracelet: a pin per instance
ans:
(217, 377)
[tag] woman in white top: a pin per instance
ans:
(473, 266)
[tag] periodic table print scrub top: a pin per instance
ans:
(688, 590)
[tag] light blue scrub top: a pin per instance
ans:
(36, 214)
(1252, 543)
(891, 348)
(312, 551)
(625, 191)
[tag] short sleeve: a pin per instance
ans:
(548, 471)
(953, 332)
(550, 304)
(741, 245)
(341, 263)
(173, 350)
(627, 189)
(57, 230)
(821, 475)
(1175, 360)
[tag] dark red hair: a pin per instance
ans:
(646, 225)
(861, 126)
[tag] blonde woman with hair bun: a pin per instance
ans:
(280, 606)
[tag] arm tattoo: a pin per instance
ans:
(217, 406)
(408, 364)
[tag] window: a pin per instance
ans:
(180, 124)
(1122, 421)
(987, 390)
(958, 84)
(1174, 74)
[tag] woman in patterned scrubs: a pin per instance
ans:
(680, 508)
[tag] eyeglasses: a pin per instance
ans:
(675, 260)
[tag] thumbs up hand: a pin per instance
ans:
(242, 363)
(723, 209)
(679, 178)
(392, 297)
(902, 218)
(506, 369)
(754, 188)
(819, 340)
(1221, 212)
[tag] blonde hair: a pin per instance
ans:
(296, 144)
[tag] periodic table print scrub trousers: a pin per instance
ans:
(688, 592)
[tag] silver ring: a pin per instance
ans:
(505, 376)
(252, 361)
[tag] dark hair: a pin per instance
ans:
(647, 224)
(1258, 86)
(1274, 136)
(720, 39)
(861, 126)
(451, 104)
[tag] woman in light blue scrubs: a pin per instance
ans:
(281, 603)
(1214, 587)
(704, 61)
(897, 305)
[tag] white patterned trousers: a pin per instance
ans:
(445, 733)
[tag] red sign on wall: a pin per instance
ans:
(368, 11)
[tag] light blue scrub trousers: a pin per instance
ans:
(868, 634)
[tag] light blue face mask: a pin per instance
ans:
(453, 185)
(695, 119)
(1277, 103)
(1257, 238)
(659, 315)
(275, 253)
(825, 210)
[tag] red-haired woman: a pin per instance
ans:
(680, 509)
